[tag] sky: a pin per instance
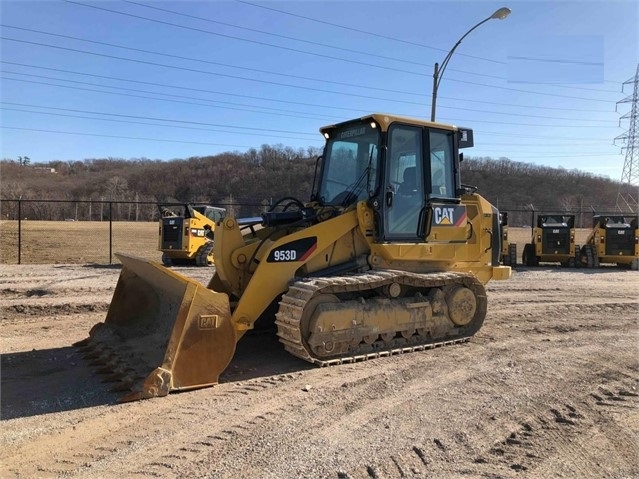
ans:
(85, 79)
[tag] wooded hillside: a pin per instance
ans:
(258, 177)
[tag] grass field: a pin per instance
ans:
(44, 242)
(77, 242)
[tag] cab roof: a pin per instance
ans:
(385, 119)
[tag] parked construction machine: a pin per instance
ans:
(613, 239)
(390, 255)
(553, 241)
(187, 236)
(508, 249)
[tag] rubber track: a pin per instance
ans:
(299, 293)
(201, 257)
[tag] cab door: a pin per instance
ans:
(419, 173)
(404, 182)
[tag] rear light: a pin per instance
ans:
(572, 238)
(603, 240)
(186, 231)
(539, 238)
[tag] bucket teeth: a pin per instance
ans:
(95, 352)
(125, 384)
(103, 359)
(114, 377)
(86, 345)
(117, 374)
(120, 387)
(112, 367)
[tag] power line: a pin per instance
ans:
(376, 54)
(194, 70)
(200, 60)
(386, 37)
(189, 122)
(149, 92)
(232, 37)
(305, 104)
(132, 116)
(555, 60)
(277, 83)
(579, 155)
(164, 140)
(541, 156)
(130, 122)
(277, 35)
(538, 137)
(164, 85)
(279, 46)
(373, 34)
(225, 104)
(324, 105)
(159, 124)
(297, 115)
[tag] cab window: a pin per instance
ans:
(441, 164)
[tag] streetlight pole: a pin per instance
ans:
(438, 72)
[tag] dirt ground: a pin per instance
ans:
(549, 387)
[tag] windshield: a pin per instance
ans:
(350, 164)
(214, 214)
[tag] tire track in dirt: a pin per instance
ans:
(543, 438)
(130, 446)
(548, 397)
(134, 432)
(192, 448)
(543, 433)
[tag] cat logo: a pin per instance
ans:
(449, 215)
(209, 321)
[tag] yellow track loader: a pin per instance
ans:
(187, 237)
(390, 255)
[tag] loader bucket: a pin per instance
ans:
(163, 332)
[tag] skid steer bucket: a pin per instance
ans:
(163, 332)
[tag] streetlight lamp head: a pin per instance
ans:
(502, 13)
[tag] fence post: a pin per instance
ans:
(110, 232)
(532, 220)
(20, 230)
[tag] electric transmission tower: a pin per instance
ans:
(628, 196)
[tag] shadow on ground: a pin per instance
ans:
(61, 379)
(49, 380)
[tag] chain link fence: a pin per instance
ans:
(79, 232)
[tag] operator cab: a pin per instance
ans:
(403, 169)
